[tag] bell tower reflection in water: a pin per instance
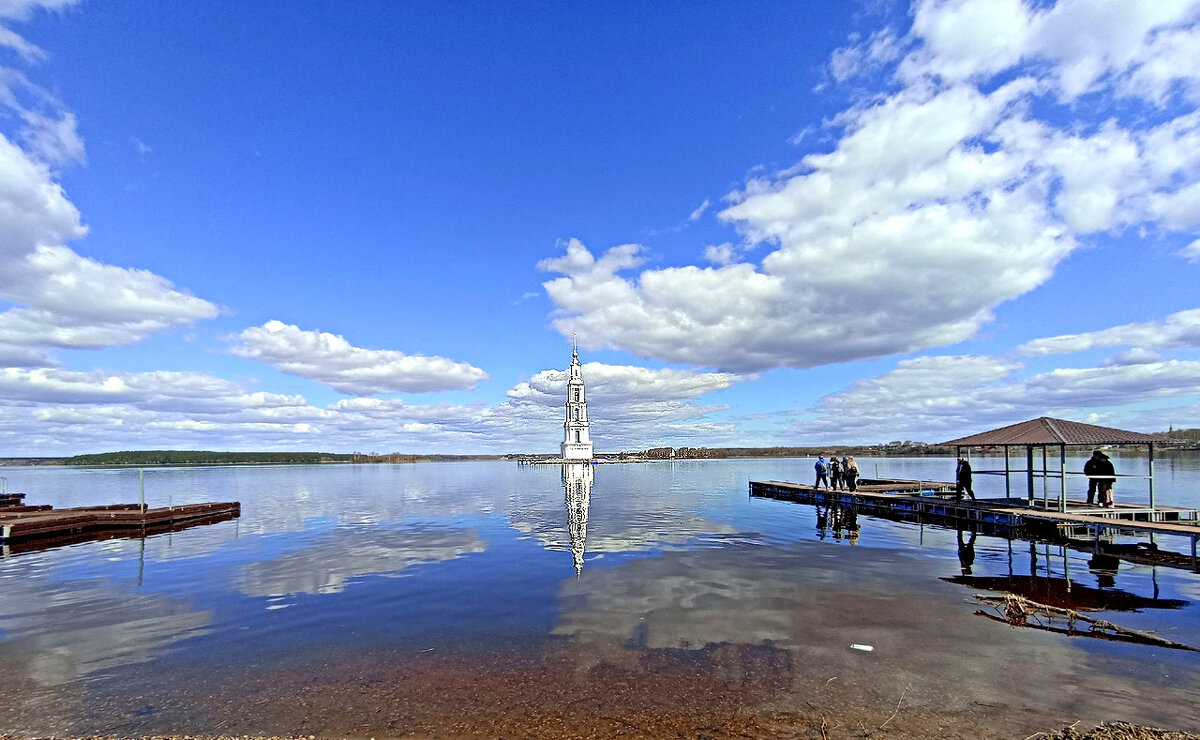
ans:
(577, 486)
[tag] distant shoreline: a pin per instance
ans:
(182, 458)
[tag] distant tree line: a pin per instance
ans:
(1190, 437)
(200, 457)
(400, 457)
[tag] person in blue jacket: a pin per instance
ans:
(822, 474)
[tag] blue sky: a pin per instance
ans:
(376, 226)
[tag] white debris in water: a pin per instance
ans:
(864, 648)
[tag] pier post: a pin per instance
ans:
(1151, 472)
(1007, 474)
(1029, 471)
(1062, 477)
(142, 489)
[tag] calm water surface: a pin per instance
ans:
(344, 594)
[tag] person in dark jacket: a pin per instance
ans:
(850, 473)
(835, 472)
(1104, 485)
(1091, 469)
(962, 479)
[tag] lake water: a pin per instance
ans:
(488, 599)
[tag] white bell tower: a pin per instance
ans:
(577, 438)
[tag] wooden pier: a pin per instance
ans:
(934, 502)
(38, 527)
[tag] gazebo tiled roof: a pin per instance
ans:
(1047, 431)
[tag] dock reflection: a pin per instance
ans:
(1049, 581)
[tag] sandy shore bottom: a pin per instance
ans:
(721, 691)
(711, 644)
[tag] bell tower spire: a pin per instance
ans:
(577, 437)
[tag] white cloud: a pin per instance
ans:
(721, 254)
(330, 359)
(55, 139)
(700, 209)
(140, 146)
(163, 390)
(1192, 251)
(74, 412)
(630, 406)
(862, 55)
(975, 392)
(23, 10)
(1080, 45)
(64, 299)
(1179, 330)
(959, 190)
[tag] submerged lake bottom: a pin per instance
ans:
(487, 600)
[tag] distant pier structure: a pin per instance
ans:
(577, 436)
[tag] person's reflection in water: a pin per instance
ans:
(966, 551)
(1105, 567)
(822, 522)
(850, 517)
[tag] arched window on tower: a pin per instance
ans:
(576, 394)
(576, 412)
(576, 435)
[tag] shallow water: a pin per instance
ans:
(460, 599)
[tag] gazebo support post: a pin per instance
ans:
(1062, 477)
(1007, 472)
(1045, 469)
(1151, 471)
(1029, 472)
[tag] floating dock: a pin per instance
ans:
(38, 527)
(934, 502)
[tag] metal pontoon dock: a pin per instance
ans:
(934, 502)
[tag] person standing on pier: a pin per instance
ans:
(962, 479)
(1091, 469)
(835, 472)
(850, 473)
(821, 473)
(1104, 485)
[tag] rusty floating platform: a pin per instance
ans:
(38, 527)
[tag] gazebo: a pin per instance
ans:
(1047, 433)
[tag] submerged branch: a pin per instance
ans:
(1016, 611)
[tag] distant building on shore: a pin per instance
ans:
(577, 436)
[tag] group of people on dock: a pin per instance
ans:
(843, 474)
(837, 474)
